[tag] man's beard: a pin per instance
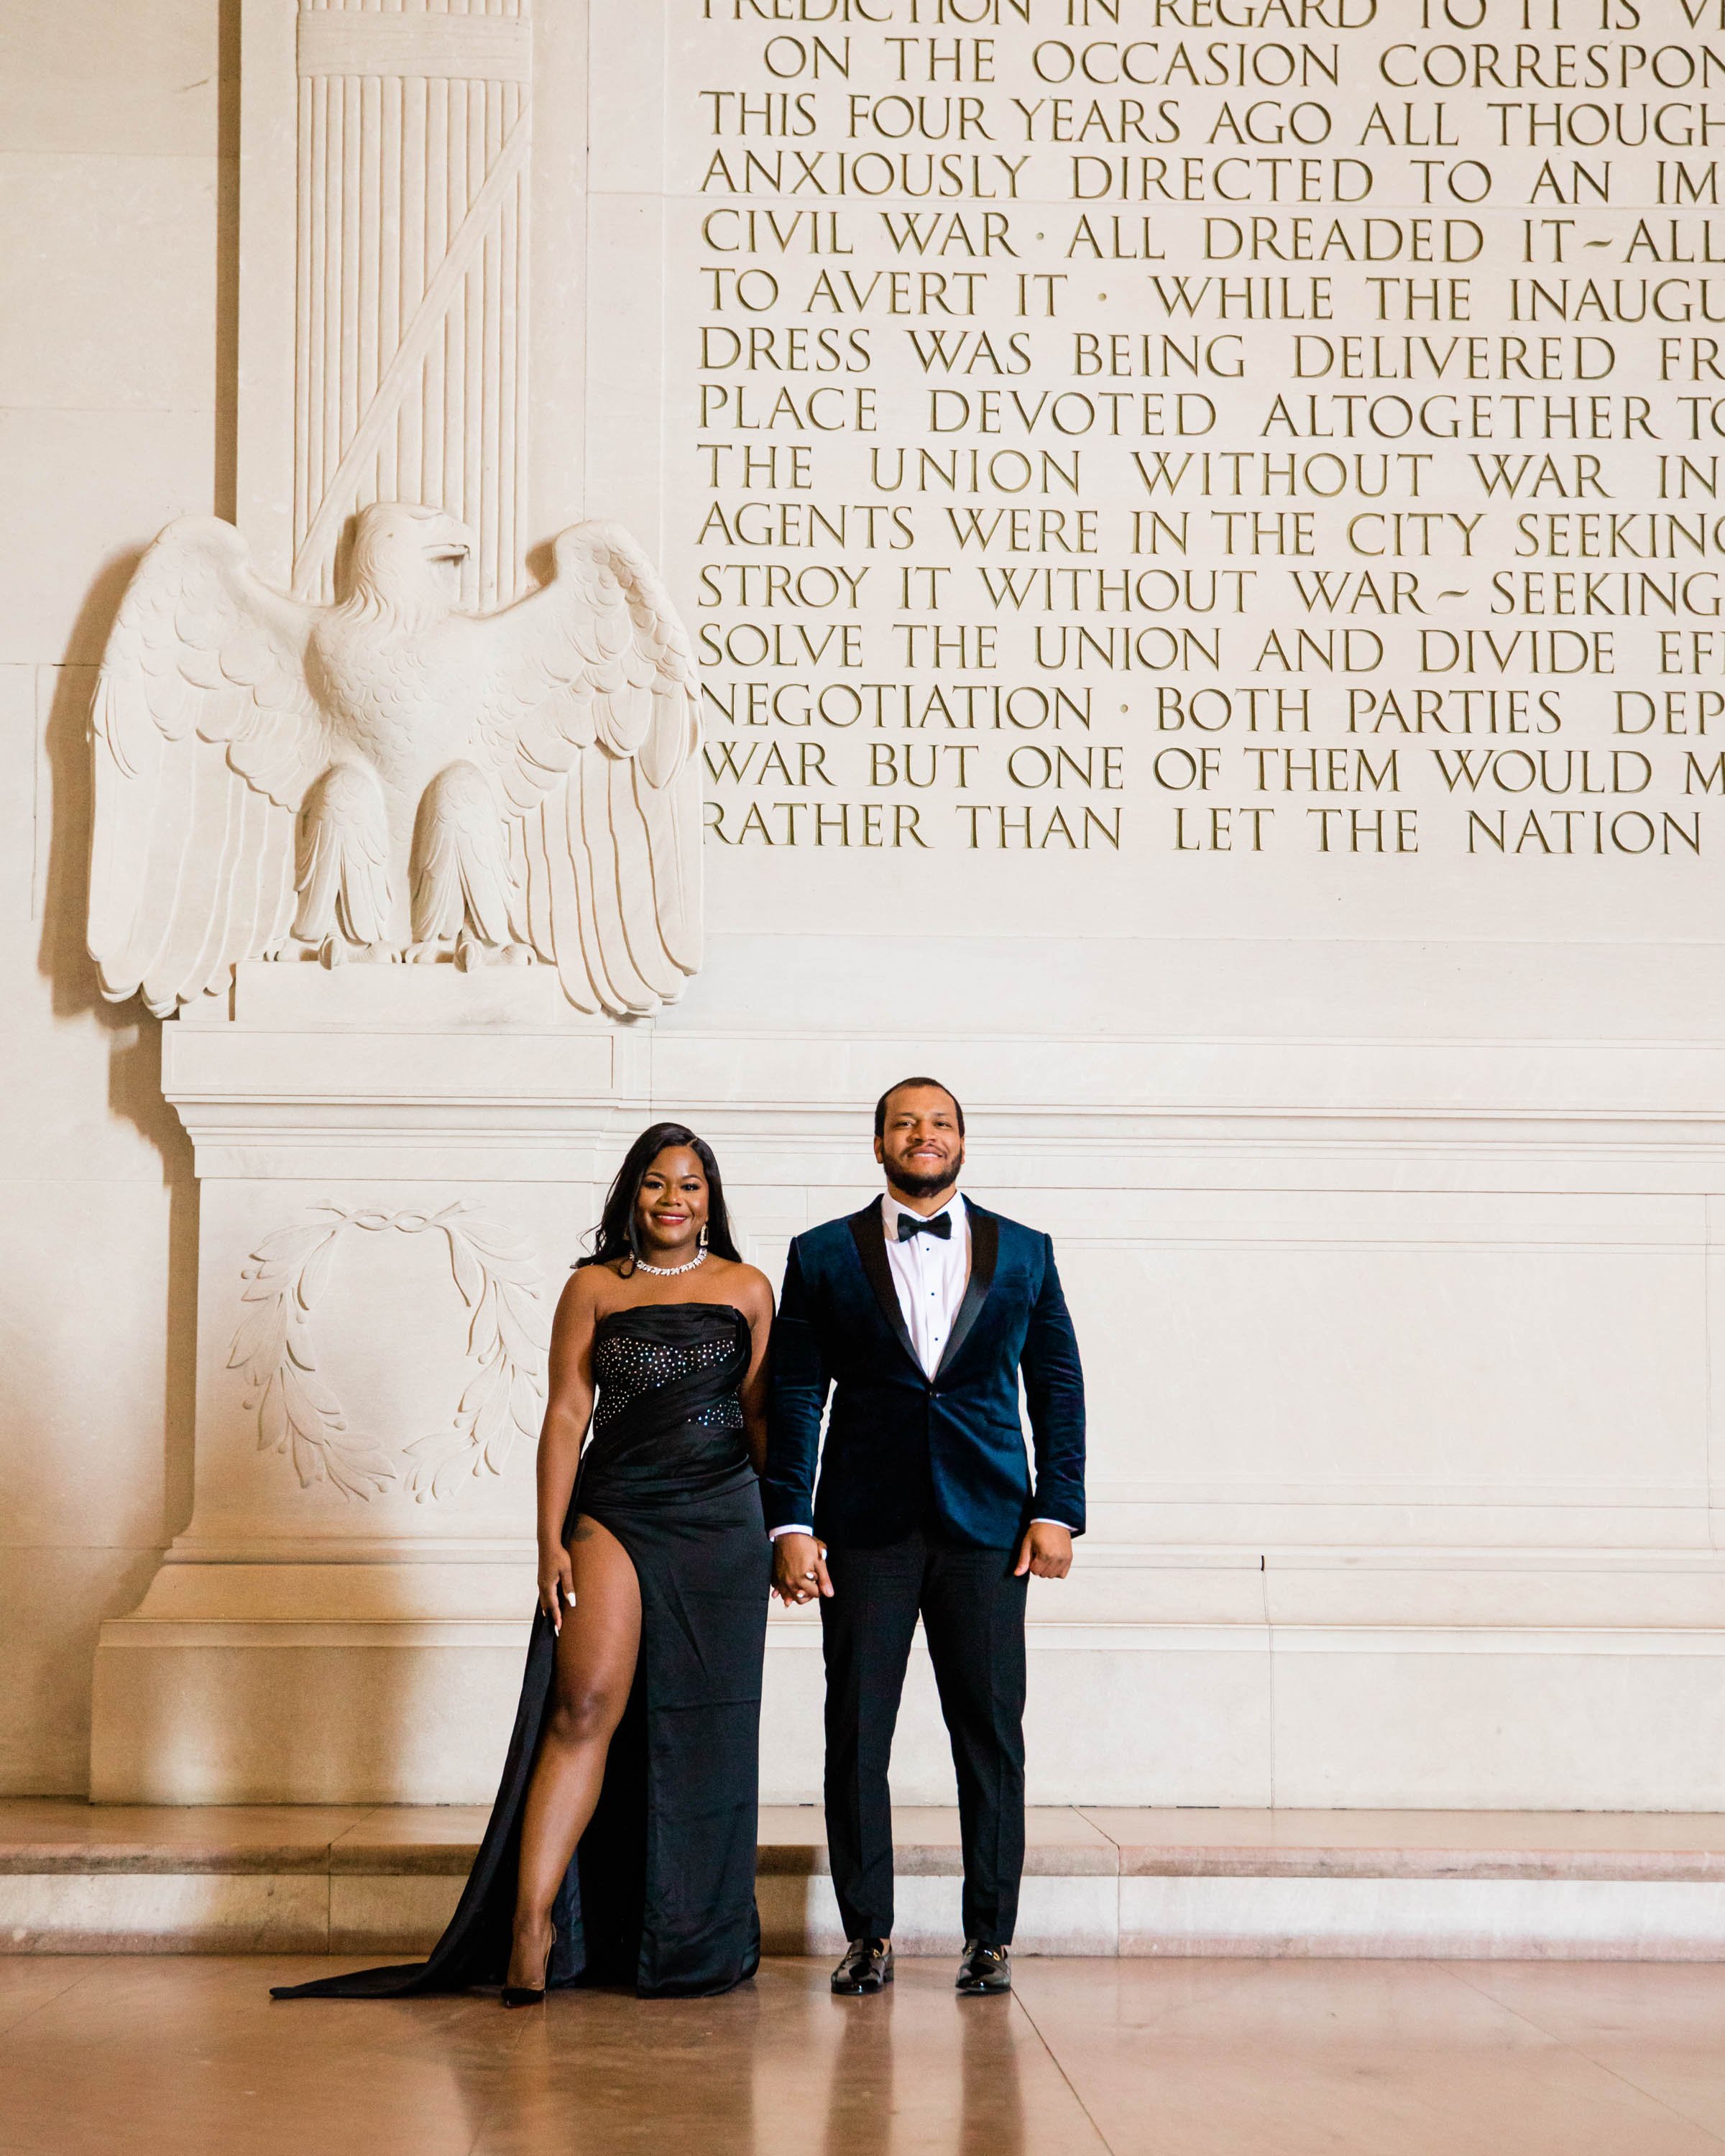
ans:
(915, 1185)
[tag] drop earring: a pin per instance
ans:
(702, 1244)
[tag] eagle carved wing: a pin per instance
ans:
(206, 734)
(589, 714)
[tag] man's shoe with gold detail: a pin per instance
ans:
(984, 1970)
(867, 1966)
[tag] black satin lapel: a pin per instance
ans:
(984, 1249)
(869, 1232)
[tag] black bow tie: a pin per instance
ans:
(912, 1225)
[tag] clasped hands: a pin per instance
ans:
(799, 1562)
(799, 1569)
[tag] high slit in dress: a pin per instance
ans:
(661, 1891)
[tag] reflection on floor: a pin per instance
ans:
(129, 2057)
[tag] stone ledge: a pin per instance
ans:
(81, 1878)
(58, 1837)
(1676, 1846)
(48, 1836)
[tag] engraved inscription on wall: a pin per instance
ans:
(1158, 426)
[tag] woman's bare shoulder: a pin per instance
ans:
(750, 1291)
(586, 1292)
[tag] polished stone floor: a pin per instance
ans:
(130, 2056)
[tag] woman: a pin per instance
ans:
(622, 1844)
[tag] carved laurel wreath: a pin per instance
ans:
(299, 1415)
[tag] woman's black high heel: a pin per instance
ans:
(531, 1995)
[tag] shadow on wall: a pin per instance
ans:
(133, 1037)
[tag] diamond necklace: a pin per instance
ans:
(670, 1272)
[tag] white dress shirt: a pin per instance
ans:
(930, 1275)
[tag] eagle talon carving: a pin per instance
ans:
(391, 780)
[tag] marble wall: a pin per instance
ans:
(1387, 1202)
(117, 159)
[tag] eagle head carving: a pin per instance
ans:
(406, 560)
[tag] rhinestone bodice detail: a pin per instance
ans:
(668, 1425)
(627, 1365)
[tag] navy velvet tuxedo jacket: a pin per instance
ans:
(905, 1450)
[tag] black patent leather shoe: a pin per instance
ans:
(867, 1966)
(531, 1995)
(984, 1970)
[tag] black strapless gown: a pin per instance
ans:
(661, 1893)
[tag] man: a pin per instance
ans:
(921, 1313)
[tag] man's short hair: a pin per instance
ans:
(907, 1084)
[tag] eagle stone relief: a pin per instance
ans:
(392, 779)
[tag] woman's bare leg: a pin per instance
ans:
(590, 1686)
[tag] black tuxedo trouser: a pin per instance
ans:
(972, 1613)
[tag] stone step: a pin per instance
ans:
(78, 1878)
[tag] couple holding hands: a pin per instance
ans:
(621, 1848)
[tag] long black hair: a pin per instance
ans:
(614, 1239)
